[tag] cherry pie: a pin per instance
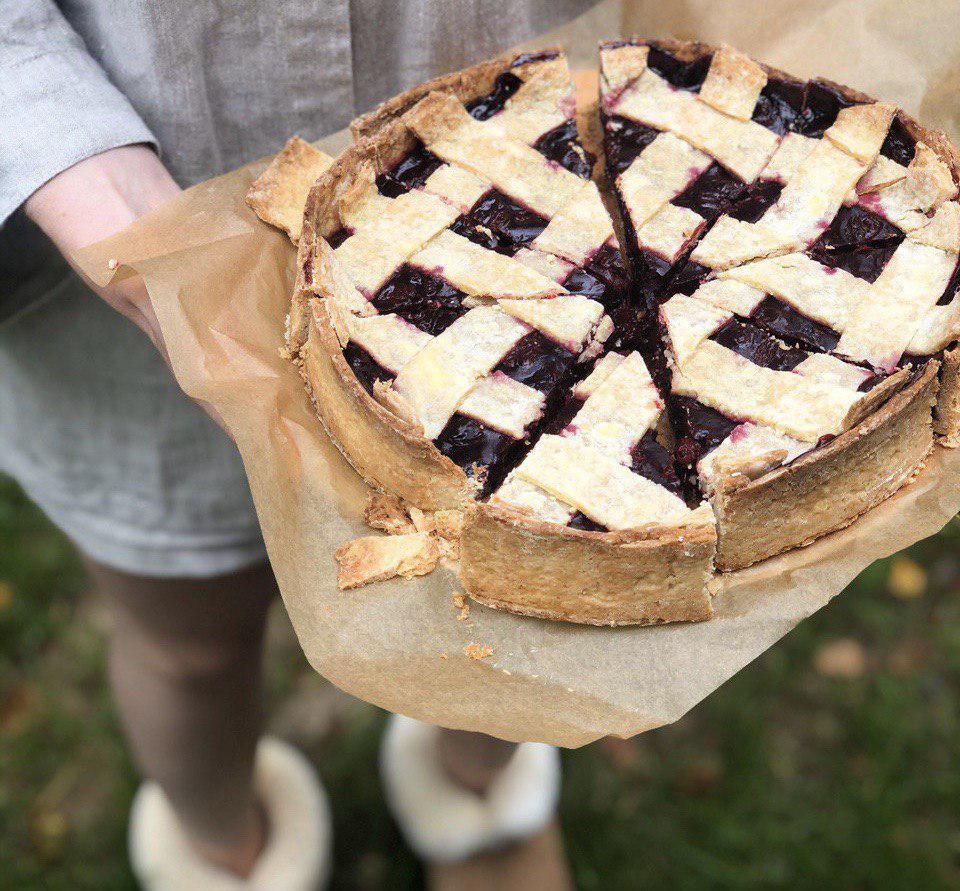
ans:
(752, 367)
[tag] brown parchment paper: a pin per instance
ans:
(220, 283)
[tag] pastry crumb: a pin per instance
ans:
(375, 558)
(443, 655)
(387, 512)
(460, 602)
(478, 651)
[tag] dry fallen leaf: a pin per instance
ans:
(841, 658)
(907, 579)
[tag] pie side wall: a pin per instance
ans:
(946, 417)
(389, 454)
(523, 566)
(831, 487)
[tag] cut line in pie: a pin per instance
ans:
(766, 351)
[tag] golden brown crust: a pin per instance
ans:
(643, 577)
(828, 488)
(278, 195)
(387, 452)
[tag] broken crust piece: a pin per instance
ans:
(375, 558)
(386, 512)
(279, 194)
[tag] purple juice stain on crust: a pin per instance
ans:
(682, 75)
(335, 239)
(411, 172)
(624, 140)
(821, 106)
(758, 198)
(487, 106)
(711, 192)
(703, 428)
(780, 105)
(899, 145)
(365, 367)
(758, 346)
(793, 326)
(422, 299)
(538, 362)
(562, 145)
(513, 225)
(951, 289)
(651, 460)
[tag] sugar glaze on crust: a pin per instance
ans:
(516, 562)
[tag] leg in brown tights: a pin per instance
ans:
(185, 665)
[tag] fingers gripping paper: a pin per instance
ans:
(220, 282)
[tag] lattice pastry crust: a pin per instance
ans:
(454, 190)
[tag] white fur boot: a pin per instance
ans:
(296, 856)
(443, 822)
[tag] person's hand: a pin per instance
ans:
(97, 198)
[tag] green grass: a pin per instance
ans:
(793, 774)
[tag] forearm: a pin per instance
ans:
(100, 196)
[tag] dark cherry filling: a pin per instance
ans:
(871, 382)
(624, 140)
(652, 460)
(683, 75)
(759, 197)
(820, 109)
(866, 262)
(855, 225)
(562, 144)
(711, 192)
(538, 362)
(469, 443)
(780, 106)
(513, 225)
(759, 346)
(539, 56)
(421, 298)
(582, 521)
(563, 415)
(899, 145)
(365, 367)
(487, 106)
(687, 278)
(410, 173)
(704, 428)
(951, 290)
(604, 278)
(786, 322)
(651, 272)
(335, 239)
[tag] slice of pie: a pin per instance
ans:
(755, 369)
